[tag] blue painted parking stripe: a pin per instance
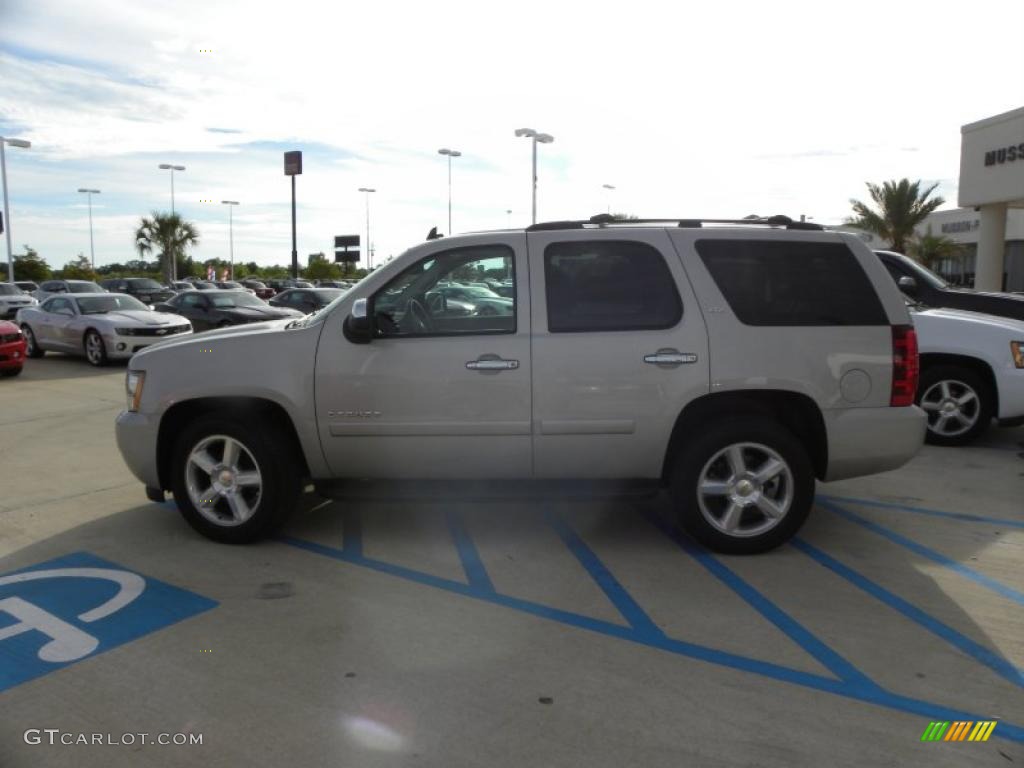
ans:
(871, 695)
(962, 516)
(621, 599)
(930, 554)
(352, 531)
(978, 652)
(476, 573)
(796, 631)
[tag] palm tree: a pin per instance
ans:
(901, 207)
(169, 233)
(930, 249)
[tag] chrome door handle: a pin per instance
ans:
(492, 364)
(670, 357)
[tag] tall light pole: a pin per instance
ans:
(541, 138)
(450, 153)
(608, 197)
(172, 169)
(367, 190)
(231, 231)
(7, 211)
(92, 251)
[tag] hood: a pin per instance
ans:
(145, 317)
(268, 311)
(977, 319)
(997, 295)
(268, 328)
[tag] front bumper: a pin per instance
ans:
(865, 441)
(136, 439)
(12, 354)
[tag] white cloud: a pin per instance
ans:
(719, 109)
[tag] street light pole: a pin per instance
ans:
(451, 153)
(541, 138)
(231, 230)
(92, 251)
(172, 169)
(368, 190)
(7, 211)
(608, 198)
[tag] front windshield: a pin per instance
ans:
(100, 305)
(6, 289)
(235, 299)
(85, 288)
(144, 284)
(926, 274)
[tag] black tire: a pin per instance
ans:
(32, 349)
(281, 480)
(8, 373)
(96, 355)
(706, 444)
(959, 379)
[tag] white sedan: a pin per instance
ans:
(972, 370)
(101, 326)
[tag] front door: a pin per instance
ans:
(443, 389)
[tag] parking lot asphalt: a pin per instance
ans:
(499, 634)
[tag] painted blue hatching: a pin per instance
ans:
(631, 611)
(473, 566)
(926, 552)
(976, 651)
(961, 516)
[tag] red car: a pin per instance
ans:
(12, 349)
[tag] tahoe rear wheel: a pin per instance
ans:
(233, 481)
(743, 486)
(957, 402)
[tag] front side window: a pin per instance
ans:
(791, 283)
(418, 301)
(61, 307)
(228, 300)
(608, 285)
(190, 300)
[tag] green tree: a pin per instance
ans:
(28, 266)
(900, 206)
(930, 249)
(321, 269)
(79, 269)
(171, 235)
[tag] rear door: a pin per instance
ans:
(619, 346)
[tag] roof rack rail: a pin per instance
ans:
(604, 219)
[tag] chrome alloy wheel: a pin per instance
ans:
(94, 348)
(223, 480)
(745, 489)
(952, 406)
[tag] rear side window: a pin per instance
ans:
(779, 282)
(608, 285)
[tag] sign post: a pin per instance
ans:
(293, 168)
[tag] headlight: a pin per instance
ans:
(123, 331)
(1017, 349)
(133, 382)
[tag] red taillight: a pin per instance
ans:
(905, 365)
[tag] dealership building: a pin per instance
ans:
(989, 224)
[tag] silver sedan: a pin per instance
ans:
(101, 326)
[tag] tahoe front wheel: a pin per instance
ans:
(233, 481)
(743, 488)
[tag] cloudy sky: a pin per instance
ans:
(697, 108)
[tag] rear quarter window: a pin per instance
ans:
(779, 282)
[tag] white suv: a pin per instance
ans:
(731, 362)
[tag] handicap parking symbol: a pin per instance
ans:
(62, 611)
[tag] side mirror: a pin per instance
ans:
(908, 285)
(357, 327)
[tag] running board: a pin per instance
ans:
(485, 490)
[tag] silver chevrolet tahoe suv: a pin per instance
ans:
(731, 362)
